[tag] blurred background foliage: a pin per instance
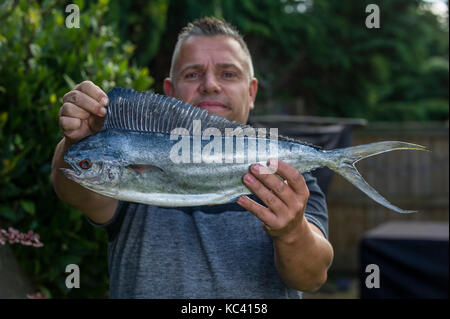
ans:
(41, 60)
(314, 53)
(318, 52)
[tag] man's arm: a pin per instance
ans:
(81, 115)
(302, 254)
(303, 262)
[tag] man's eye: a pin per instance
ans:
(228, 74)
(192, 75)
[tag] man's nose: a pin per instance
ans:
(209, 84)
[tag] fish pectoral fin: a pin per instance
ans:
(141, 168)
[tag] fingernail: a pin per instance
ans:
(272, 162)
(255, 168)
(102, 111)
(242, 200)
(104, 101)
(273, 165)
(249, 178)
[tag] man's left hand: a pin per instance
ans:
(286, 199)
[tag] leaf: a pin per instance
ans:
(35, 50)
(28, 206)
(3, 118)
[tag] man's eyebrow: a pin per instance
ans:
(228, 65)
(191, 66)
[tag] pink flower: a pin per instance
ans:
(14, 236)
(36, 295)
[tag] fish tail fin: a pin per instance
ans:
(344, 164)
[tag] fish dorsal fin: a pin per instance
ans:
(149, 112)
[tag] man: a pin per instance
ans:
(205, 252)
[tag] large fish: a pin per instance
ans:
(161, 151)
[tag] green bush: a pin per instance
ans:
(40, 60)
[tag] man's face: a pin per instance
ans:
(213, 73)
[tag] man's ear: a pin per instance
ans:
(253, 89)
(168, 87)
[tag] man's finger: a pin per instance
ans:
(71, 110)
(69, 123)
(269, 198)
(274, 183)
(85, 102)
(92, 90)
(294, 178)
(262, 213)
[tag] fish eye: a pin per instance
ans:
(85, 164)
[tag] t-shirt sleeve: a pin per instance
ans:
(113, 225)
(316, 209)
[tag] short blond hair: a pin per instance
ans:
(210, 27)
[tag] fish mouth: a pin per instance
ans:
(73, 174)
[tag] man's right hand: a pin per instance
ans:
(80, 116)
(83, 111)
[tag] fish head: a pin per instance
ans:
(93, 167)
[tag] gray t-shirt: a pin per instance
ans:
(217, 251)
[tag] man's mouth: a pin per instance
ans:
(212, 105)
